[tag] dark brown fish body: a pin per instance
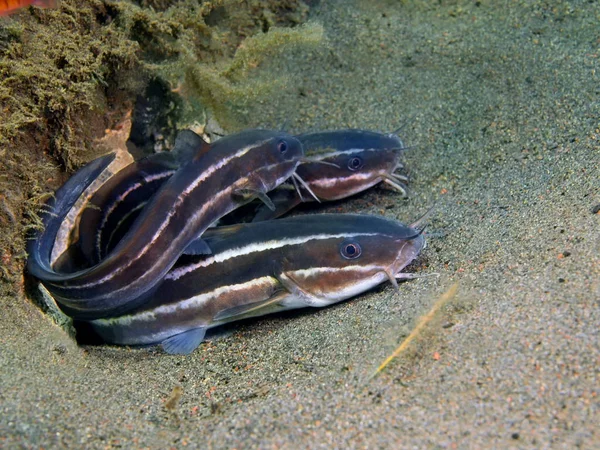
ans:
(260, 268)
(355, 161)
(204, 189)
(118, 202)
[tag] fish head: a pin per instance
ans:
(263, 159)
(276, 160)
(354, 257)
(346, 162)
(261, 146)
(351, 171)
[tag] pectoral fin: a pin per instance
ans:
(248, 194)
(283, 199)
(184, 343)
(250, 309)
(197, 247)
(292, 285)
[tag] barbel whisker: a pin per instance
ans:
(414, 276)
(400, 149)
(395, 184)
(298, 189)
(420, 222)
(406, 122)
(399, 177)
(305, 185)
(392, 279)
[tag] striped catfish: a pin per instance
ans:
(41, 243)
(124, 195)
(265, 267)
(211, 184)
(354, 161)
(359, 159)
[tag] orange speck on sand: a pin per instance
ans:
(444, 191)
(436, 356)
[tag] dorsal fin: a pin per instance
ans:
(188, 145)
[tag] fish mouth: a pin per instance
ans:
(409, 250)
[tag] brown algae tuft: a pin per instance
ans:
(68, 74)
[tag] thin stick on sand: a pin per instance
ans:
(449, 294)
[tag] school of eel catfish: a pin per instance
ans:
(148, 263)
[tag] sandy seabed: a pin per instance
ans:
(501, 101)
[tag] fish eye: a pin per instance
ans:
(350, 250)
(355, 163)
(282, 146)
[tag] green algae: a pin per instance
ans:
(225, 89)
(55, 67)
(54, 76)
(68, 74)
